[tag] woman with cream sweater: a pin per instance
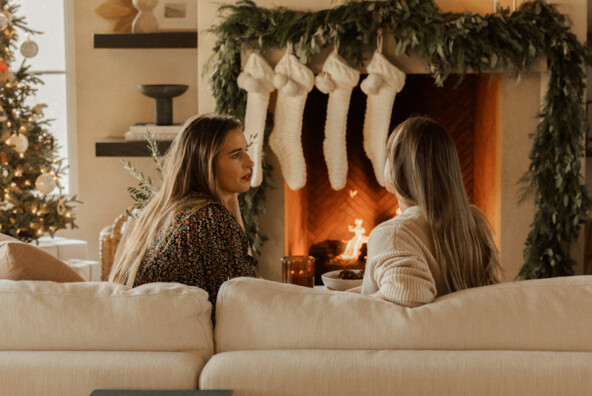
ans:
(439, 243)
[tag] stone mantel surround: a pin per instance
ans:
(513, 115)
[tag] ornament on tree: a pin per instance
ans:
(4, 20)
(45, 183)
(6, 206)
(29, 48)
(381, 86)
(3, 116)
(19, 143)
(61, 208)
(293, 81)
(4, 72)
(338, 80)
(6, 171)
(257, 80)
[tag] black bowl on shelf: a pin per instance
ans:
(163, 104)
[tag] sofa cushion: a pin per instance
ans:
(354, 373)
(545, 315)
(102, 316)
(78, 373)
(22, 261)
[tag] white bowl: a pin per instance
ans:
(332, 281)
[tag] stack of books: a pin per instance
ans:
(158, 132)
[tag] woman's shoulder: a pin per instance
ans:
(407, 219)
(408, 225)
(209, 212)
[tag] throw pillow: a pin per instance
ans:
(22, 261)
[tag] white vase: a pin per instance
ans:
(144, 22)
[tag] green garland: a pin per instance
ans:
(510, 42)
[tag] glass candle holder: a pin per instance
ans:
(298, 270)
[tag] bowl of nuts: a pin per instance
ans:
(343, 279)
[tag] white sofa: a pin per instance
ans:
(67, 339)
(521, 338)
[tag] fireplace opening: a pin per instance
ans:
(319, 220)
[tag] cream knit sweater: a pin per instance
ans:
(400, 264)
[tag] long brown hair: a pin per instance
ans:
(189, 182)
(425, 171)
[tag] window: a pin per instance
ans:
(48, 17)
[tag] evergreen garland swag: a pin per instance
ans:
(509, 42)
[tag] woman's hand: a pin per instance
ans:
(378, 294)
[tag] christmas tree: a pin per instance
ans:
(32, 203)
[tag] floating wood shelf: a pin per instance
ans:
(119, 147)
(146, 40)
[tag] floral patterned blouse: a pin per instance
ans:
(205, 250)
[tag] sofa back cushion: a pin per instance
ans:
(550, 314)
(22, 261)
(102, 316)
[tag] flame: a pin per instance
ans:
(353, 193)
(352, 250)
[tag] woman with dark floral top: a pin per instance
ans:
(192, 230)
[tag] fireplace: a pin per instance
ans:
(318, 219)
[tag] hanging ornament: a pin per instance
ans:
(3, 116)
(61, 207)
(293, 81)
(19, 143)
(6, 171)
(45, 183)
(6, 206)
(4, 72)
(257, 80)
(381, 86)
(3, 21)
(29, 48)
(338, 80)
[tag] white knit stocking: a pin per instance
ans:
(293, 81)
(338, 80)
(383, 83)
(257, 80)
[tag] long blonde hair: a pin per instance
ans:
(425, 171)
(189, 182)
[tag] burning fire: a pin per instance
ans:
(352, 250)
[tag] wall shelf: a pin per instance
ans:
(146, 40)
(119, 147)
